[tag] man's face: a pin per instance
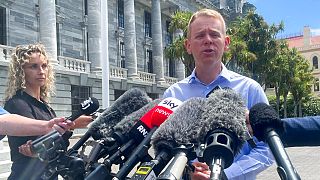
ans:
(207, 41)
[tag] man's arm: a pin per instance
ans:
(301, 131)
(16, 125)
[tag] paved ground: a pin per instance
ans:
(306, 160)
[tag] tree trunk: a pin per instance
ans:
(295, 110)
(285, 112)
(300, 108)
(276, 89)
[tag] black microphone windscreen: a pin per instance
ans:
(127, 103)
(225, 110)
(89, 106)
(125, 125)
(181, 127)
(263, 116)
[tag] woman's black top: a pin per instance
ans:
(25, 105)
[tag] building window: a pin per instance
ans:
(58, 39)
(168, 34)
(317, 85)
(121, 13)
(118, 93)
(85, 7)
(315, 62)
(122, 54)
(149, 61)
(3, 26)
(172, 68)
(78, 95)
(147, 24)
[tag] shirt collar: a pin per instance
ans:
(223, 74)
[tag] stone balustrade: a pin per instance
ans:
(170, 80)
(118, 73)
(5, 52)
(74, 64)
(147, 77)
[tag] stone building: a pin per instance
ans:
(309, 47)
(100, 48)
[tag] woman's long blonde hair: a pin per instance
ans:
(16, 77)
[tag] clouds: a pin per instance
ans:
(315, 31)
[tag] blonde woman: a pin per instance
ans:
(30, 83)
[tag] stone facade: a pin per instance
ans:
(309, 47)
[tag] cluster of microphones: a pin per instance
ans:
(157, 139)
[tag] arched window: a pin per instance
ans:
(316, 85)
(315, 62)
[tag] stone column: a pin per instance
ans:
(94, 34)
(130, 39)
(48, 33)
(157, 50)
(105, 54)
(180, 68)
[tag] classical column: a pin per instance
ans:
(130, 39)
(180, 68)
(94, 34)
(105, 54)
(48, 34)
(157, 50)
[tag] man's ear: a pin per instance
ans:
(187, 46)
(226, 43)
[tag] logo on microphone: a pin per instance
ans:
(142, 130)
(170, 103)
(86, 104)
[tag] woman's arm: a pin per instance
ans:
(16, 125)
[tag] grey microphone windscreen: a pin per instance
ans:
(181, 127)
(125, 125)
(225, 109)
(130, 101)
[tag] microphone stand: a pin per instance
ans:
(285, 168)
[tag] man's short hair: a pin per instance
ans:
(206, 12)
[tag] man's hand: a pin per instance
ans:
(25, 149)
(201, 171)
(82, 121)
(248, 123)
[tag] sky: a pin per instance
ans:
(294, 13)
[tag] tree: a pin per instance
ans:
(238, 58)
(260, 40)
(176, 50)
(301, 81)
(278, 74)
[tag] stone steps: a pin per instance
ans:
(5, 162)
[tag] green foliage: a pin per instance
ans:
(310, 105)
(260, 41)
(176, 50)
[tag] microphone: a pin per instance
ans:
(120, 132)
(130, 101)
(265, 122)
(120, 135)
(143, 130)
(223, 130)
(87, 107)
(174, 138)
